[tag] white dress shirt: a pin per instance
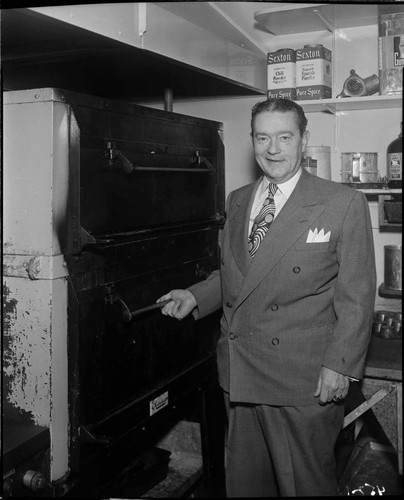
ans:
(281, 196)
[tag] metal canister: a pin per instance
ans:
(359, 167)
(392, 266)
(317, 161)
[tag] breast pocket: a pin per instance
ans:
(313, 247)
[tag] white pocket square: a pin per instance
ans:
(317, 236)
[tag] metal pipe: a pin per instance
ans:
(168, 99)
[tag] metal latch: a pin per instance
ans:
(200, 160)
(113, 154)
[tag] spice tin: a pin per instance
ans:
(282, 74)
(313, 73)
(391, 53)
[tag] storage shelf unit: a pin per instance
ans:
(367, 123)
(341, 28)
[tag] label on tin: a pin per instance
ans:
(158, 403)
(391, 63)
(282, 94)
(391, 52)
(313, 92)
(394, 166)
(310, 164)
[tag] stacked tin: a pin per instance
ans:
(391, 53)
(300, 74)
(282, 74)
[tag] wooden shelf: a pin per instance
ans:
(372, 191)
(335, 105)
(39, 51)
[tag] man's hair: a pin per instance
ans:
(281, 105)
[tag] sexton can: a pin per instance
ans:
(391, 53)
(313, 73)
(282, 74)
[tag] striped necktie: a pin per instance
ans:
(262, 221)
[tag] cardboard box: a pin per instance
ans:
(282, 74)
(313, 73)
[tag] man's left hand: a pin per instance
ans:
(331, 386)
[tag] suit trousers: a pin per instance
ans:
(281, 451)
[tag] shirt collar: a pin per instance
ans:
(286, 188)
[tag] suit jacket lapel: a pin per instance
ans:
(296, 217)
(238, 227)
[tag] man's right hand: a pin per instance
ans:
(182, 302)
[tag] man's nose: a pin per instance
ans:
(273, 147)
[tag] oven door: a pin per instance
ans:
(135, 169)
(115, 362)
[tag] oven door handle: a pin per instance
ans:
(127, 315)
(199, 164)
(88, 437)
(156, 305)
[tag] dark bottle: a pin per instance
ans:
(395, 161)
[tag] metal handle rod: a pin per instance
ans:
(157, 305)
(173, 169)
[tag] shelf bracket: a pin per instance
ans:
(325, 21)
(330, 109)
(142, 26)
(336, 131)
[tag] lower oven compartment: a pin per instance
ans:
(119, 361)
(131, 378)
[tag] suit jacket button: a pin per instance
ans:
(274, 307)
(229, 304)
(296, 270)
(232, 336)
(275, 341)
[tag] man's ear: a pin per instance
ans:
(305, 140)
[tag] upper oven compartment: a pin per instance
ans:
(134, 169)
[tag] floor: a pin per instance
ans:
(366, 464)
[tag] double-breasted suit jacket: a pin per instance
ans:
(296, 305)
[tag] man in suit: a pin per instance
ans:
(297, 287)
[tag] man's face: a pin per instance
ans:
(278, 145)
